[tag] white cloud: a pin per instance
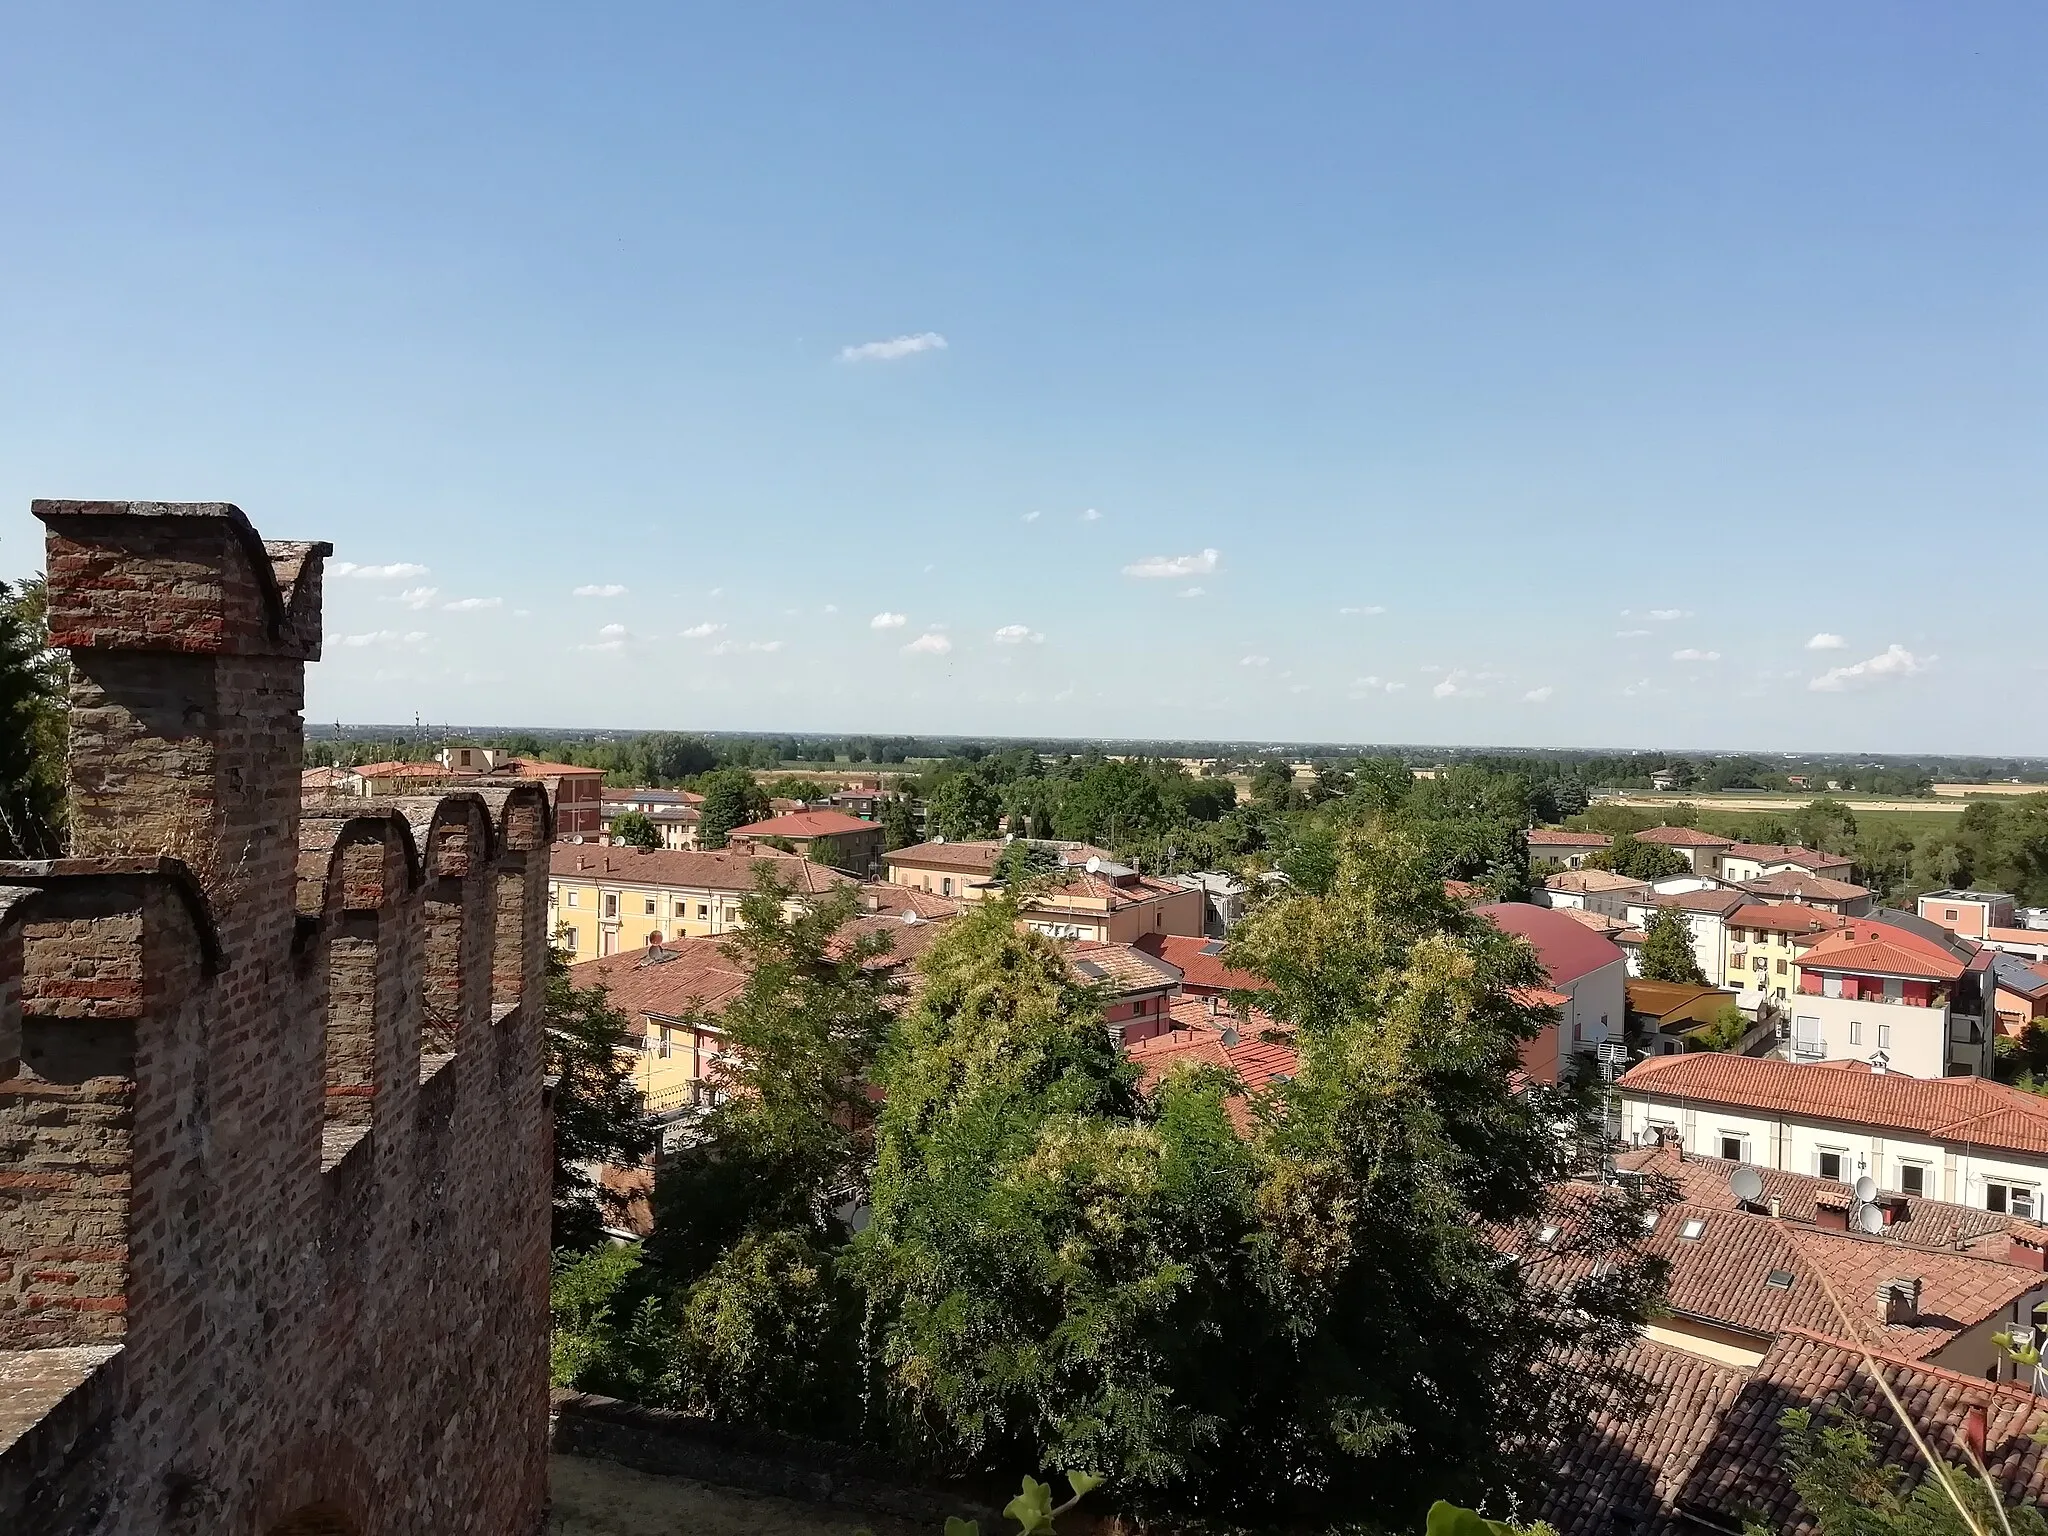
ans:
(1018, 634)
(931, 643)
(1893, 661)
(1172, 567)
(400, 571)
(831, 607)
(418, 597)
(614, 632)
(1457, 684)
(1090, 515)
(1630, 634)
(1538, 695)
(1255, 661)
(1032, 517)
(1666, 615)
(1191, 591)
(472, 604)
(1370, 608)
(895, 347)
(1363, 687)
(742, 647)
(1826, 642)
(410, 640)
(702, 631)
(607, 589)
(603, 645)
(1690, 654)
(887, 621)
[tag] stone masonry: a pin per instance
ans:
(274, 1141)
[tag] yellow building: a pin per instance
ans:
(1765, 943)
(606, 899)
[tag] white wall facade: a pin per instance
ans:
(1914, 1040)
(1598, 1007)
(1709, 938)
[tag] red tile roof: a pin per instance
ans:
(668, 980)
(1255, 1060)
(1599, 922)
(1683, 837)
(1464, 891)
(1717, 901)
(1583, 880)
(1124, 969)
(1801, 887)
(1959, 1109)
(1852, 952)
(806, 824)
(1568, 949)
(1553, 837)
(534, 768)
(401, 771)
(693, 869)
(1201, 963)
(1785, 917)
(1785, 853)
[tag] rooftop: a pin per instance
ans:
(1785, 853)
(1200, 962)
(1683, 837)
(1785, 917)
(1567, 949)
(695, 869)
(1557, 837)
(1588, 880)
(1878, 957)
(806, 824)
(1804, 887)
(1123, 968)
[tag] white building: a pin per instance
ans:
(1706, 913)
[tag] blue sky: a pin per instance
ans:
(1469, 373)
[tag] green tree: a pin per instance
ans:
(598, 1114)
(1273, 786)
(1884, 859)
(1114, 803)
(634, 830)
(1827, 825)
(963, 805)
(731, 799)
(1724, 1034)
(1630, 855)
(899, 823)
(33, 682)
(805, 790)
(1667, 949)
(1023, 861)
(1833, 1462)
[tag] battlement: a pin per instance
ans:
(272, 1131)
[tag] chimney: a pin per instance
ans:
(1898, 1300)
(1214, 1005)
(874, 903)
(1777, 1208)
(1972, 1433)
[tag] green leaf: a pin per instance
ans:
(1449, 1520)
(955, 1526)
(1031, 1509)
(1084, 1482)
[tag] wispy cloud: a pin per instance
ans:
(1090, 515)
(895, 347)
(1630, 634)
(1032, 517)
(386, 637)
(1191, 592)
(614, 632)
(1364, 687)
(1173, 567)
(418, 597)
(888, 621)
(742, 647)
(1538, 695)
(1666, 615)
(702, 631)
(1826, 642)
(1457, 684)
(1256, 661)
(931, 643)
(1893, 661)
(1018, 634)
(1690, 654)
(399, 571)
(472, 604)
(606, 589)
(1368, 609)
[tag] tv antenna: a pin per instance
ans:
(1747, 1185)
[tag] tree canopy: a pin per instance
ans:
(731, 799)
(1667, 949)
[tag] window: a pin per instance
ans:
(681, 909)
(650, 907)
(1948, 914)
(1913, 1178)
(1855, 1031)
(573, 899)
(569, 940)
(1694, 1226)
(1732, 1148)
(1830, 1166)
(1779, 1279)
(1781, 967)
(946, 886)
(611, 904)
(1884, 1037)
(703, 912)
(2015, 1199)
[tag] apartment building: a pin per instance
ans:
(825, 837)
(1706, 912)
(1112, 903)
(605, 899)
(1587, 983)
(1753, 861)
(673, 813)
(1553, 847)
(1701, 850)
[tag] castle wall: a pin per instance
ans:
(272, 1132)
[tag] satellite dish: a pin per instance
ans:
(1869, 1220)
(1866, 1188)
(910, 917)
(1094, 865)
(1747, 1184)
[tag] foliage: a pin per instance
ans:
(1631, 856)
(731, 799)
(767, 1335)
(899, 823)
(634, 830)
(598, 1114)
(607, 1330)
(1833, 1462)
(805, 790)
(1667, 949)
(779, 1152)
(1449, 1520)
(1724, 1034)
(1827, 825)
(33, 684)
(1023, 861)
(1114, 802)
(963, 806)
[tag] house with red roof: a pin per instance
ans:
(1555, 848)
(1701, 850)
(1586, 982)
(1200, 962)
(1868, 993)
(1754, 861)
(1965, 1140)
(825, 837)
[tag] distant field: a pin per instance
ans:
(1916, 824)
(1961, 791)
(1764, 800)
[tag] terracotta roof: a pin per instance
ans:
(1567, 949)
(1800, 887)
(1123, 968)
(1131, 891)
(321, 778)
(401, 771)
(695, 869)
(1583, 880)
(1959, 1109)
(1785, 853)
(1255, 1061)
(882, 896)
(806, 824)
(1682, 837)
(1716, 902)
(2017, 935)
(1851, 952)
(1465, 891)
(1599, 922)
(669, 980)
(1785, 917)
(1554, 837)
(1705, 1449)
(1538, 997)
(1200, 962)
(978, 856)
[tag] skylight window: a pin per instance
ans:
(1779, 1279)
(1547, 1236)
(1694, 1226)
(1649, 1221)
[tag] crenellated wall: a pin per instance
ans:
(274, 1151)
